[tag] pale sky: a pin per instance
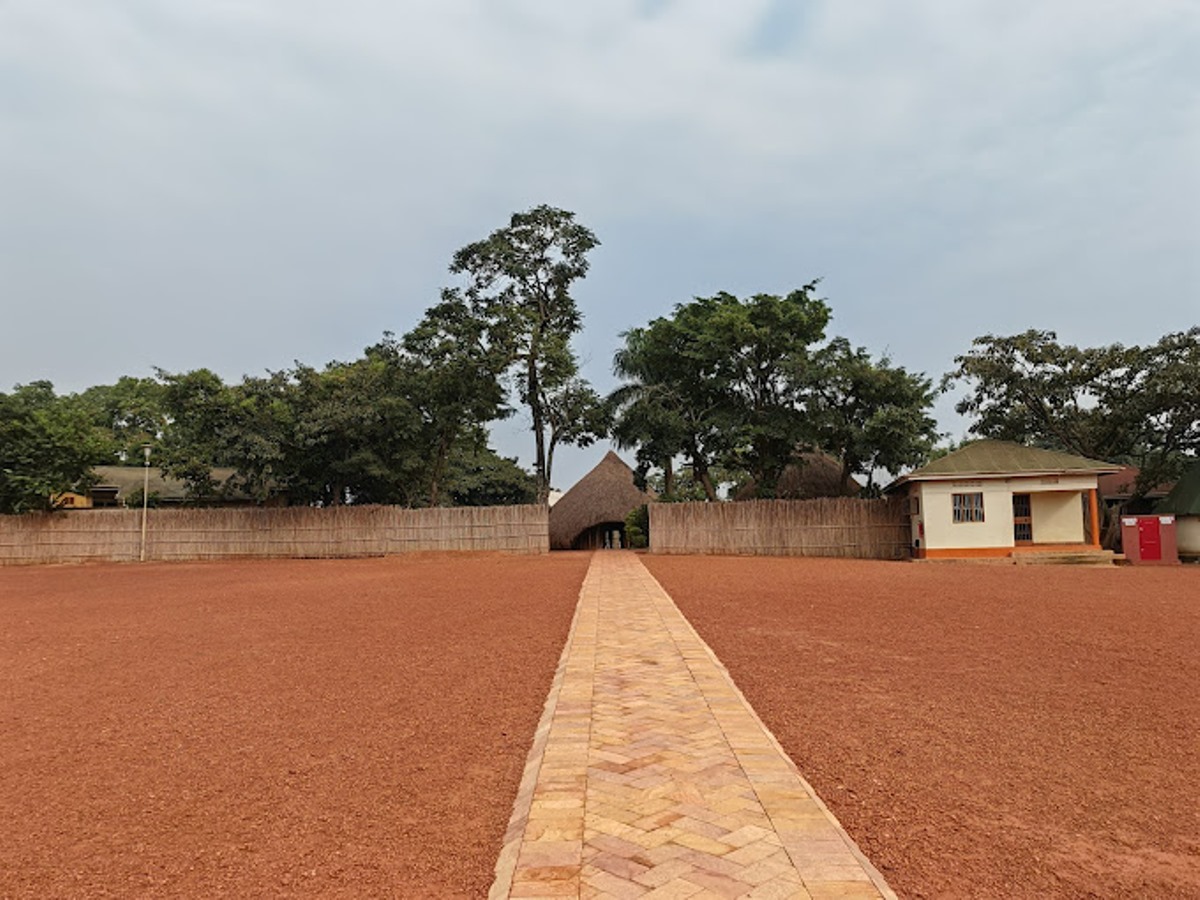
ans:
(238, 185)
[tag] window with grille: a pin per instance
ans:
(968, 507)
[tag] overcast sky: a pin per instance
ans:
(238, 184)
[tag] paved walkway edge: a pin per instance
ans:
(874, 874)
(506, 863)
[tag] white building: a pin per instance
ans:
(997, 499)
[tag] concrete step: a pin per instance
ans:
(1066, 558)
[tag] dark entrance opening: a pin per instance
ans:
(599, 537)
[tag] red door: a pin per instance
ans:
(1149, 540)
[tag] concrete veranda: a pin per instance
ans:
(651, 776)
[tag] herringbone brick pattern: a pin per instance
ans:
(652, 777)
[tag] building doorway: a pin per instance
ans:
(1022, 519)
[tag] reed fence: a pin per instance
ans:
(296, 532)
(863, 529)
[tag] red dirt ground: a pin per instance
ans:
(277, 728)
(981, 731)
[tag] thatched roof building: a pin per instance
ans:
(814, 474)
(118, 485)
(596, 505)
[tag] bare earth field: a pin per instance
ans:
(981, 731)
(276, 728)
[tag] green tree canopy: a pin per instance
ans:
(48, 445)
(518, 290)
(1134, 405)
(742, 386)
(718, 383)
(479, 476)
(131, 413)
(868, 413)
(198, 407)
(380, 429)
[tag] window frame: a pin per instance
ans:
(967, 508)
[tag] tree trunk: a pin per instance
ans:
(439, 464)
(700, 467)
(536, 412)
(847, 480)
(668, 478)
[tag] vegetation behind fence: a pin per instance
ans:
(865, 529)
(296, 532)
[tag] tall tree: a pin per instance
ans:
(1137, 405)
(130, 412)
(670, 405)
(256, 436)
(869, 414)
(48, 445)
(721, 382)
(198, 405)
(454, 375)
(762, 352)
(360, 431)
(518, 284)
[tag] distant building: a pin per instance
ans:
(115, 485)
(592, 514)
(1184, 503)
(813, 474)
(998, 499)
(1117, 490)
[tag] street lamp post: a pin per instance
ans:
(145, 498)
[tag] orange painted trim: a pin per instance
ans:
(997, 552)
(1051, 548)
(966, 553)
(1094, 515)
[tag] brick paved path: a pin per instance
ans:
(650, 775)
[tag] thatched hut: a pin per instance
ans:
(595, 507)
(812, 475)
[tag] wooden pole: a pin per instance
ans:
(145, 500)
(1094, 513)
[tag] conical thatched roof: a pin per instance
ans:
(1184, 499)
(605, 494)
(813, 475)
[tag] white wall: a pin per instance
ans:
(916, 514)
(1187, 535)
(943, 533)
(1057, 517)
(1054, 500)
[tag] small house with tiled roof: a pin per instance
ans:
(1000, 499)
(1118, 491)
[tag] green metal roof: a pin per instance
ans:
(1184, 499)
(988, 457)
